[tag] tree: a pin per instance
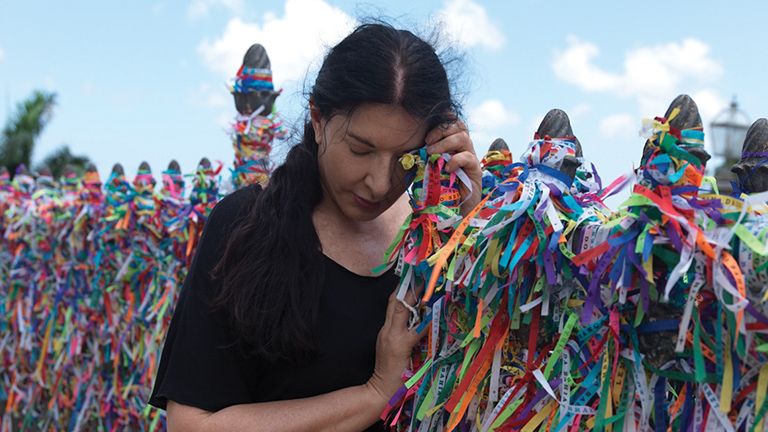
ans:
(58, 159)
(21, 131)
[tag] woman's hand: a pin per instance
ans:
(393, 350)
(453, 138)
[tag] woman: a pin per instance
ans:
(280, 324)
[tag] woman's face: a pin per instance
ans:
(359, 156)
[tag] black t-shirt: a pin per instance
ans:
(201, 365)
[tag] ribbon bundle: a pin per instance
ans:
(251, 80)
(252, 137)
(256, 125)
(548, 312)
(90, 277)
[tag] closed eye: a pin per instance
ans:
(359, 152)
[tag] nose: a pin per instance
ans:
(378, 178)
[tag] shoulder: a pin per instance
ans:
(232, 208)
(225, 217)
(236, 204)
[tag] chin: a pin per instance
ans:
(359, 214)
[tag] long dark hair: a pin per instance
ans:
(272, 267)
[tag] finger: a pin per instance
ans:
(412, 338)
(391, 306)
(439, 134)
(466, 161)
(400, 316)
(402, 312)
(454, 143)
(411, 298)
(444, 130)
(415, 336)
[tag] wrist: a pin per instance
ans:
(374, 397)
(376, 391)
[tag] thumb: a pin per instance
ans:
(397, 312)
(400, 314)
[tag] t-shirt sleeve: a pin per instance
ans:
(200, 365)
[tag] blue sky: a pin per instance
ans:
(146, 80)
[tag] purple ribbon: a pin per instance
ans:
(754, 155)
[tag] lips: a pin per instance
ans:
(365, 204)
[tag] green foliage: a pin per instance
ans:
(22, 130)
(60, 158)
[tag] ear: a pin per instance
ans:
(317, 123)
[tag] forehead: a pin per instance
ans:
(385, 126)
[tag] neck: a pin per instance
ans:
(328, 215)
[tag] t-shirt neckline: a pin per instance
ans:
(373, 277)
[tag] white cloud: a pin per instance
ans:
(199, 8)
(619, 125)
(2, 55)
(578, 111)
(652, 75)
(574, 65)
(492, 114)
(293, 41)
(488, 121)
(468, 23)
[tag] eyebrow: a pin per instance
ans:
(361, 139)
(371, 145)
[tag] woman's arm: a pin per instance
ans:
(348, 409)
